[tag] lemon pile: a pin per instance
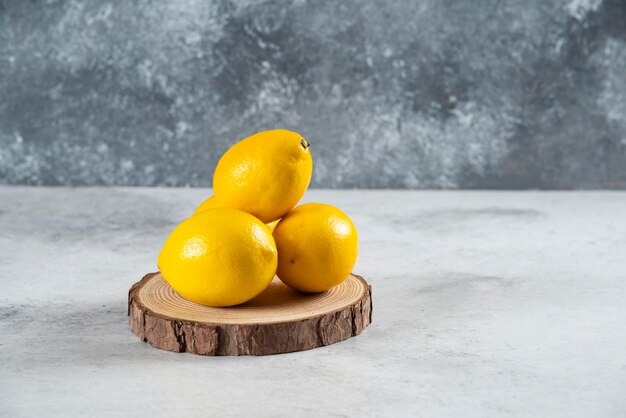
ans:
(229, 250)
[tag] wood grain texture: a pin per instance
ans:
(280, 320)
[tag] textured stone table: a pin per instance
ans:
(486, 304)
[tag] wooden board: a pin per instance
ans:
(280, 320)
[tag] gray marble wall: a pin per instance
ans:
(403, 94)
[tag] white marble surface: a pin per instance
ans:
(486, 304)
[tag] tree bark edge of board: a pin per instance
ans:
(257, 339)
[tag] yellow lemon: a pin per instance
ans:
(272, 225)
(212, 202)
(219, 257)
(317, 247)
(265, 174)
(209, 203)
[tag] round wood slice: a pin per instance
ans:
(280, 320)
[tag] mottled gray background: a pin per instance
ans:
(407, 94)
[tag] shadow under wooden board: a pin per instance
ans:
(280, 320)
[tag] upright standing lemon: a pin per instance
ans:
(317, 247)
(265, 174)
(219, 257)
